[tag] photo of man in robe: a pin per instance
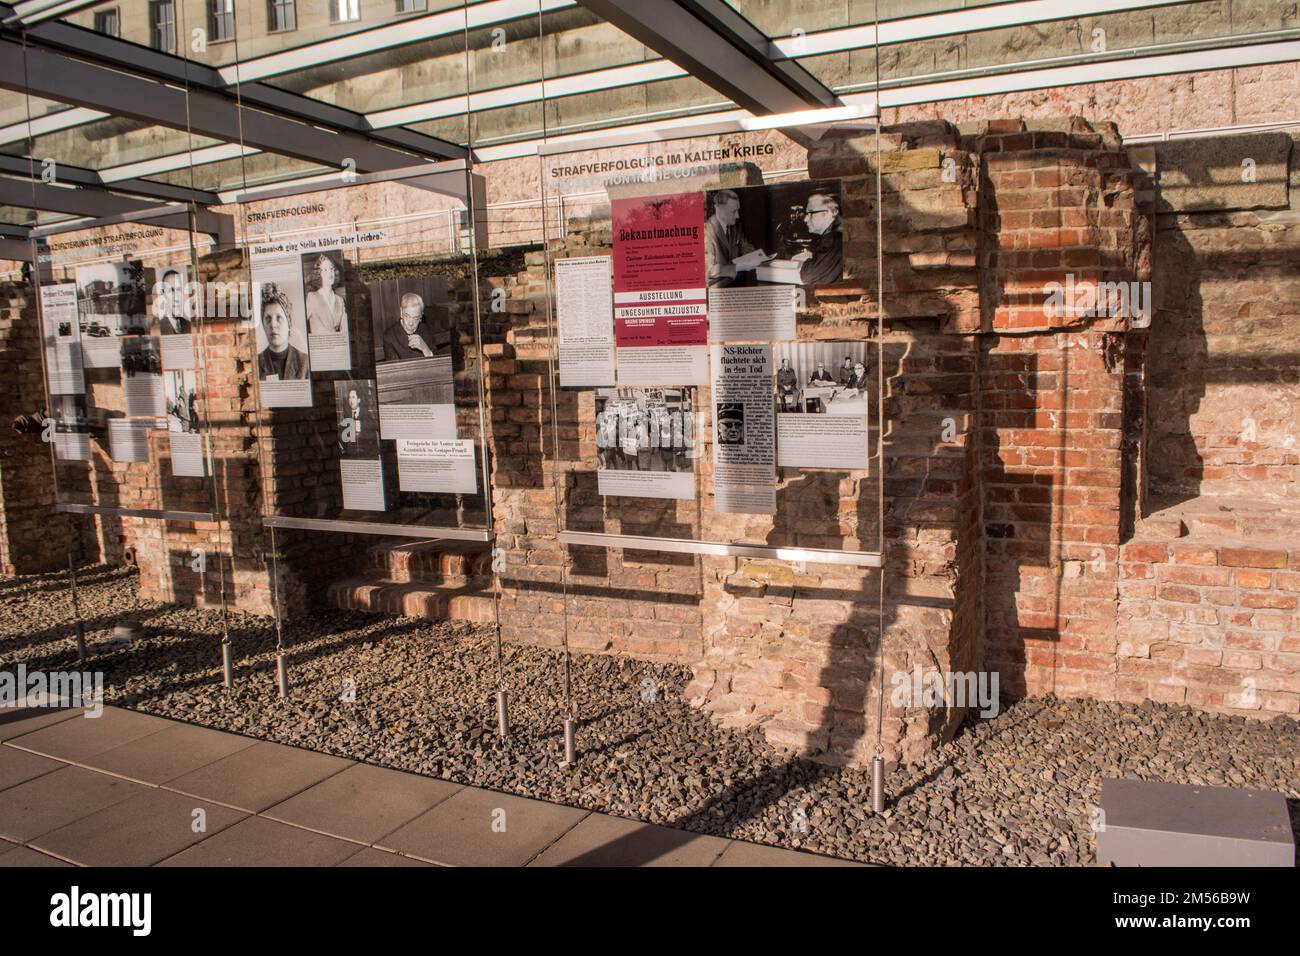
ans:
(823, 260)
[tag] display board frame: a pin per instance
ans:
(451, 178)
(802, 129)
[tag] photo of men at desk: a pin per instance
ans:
(787, 233)
(808, 381)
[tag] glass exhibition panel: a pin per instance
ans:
(367, 353)
(715, 340)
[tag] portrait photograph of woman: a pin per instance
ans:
(322, 278)
(323, 281)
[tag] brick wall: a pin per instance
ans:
(1017, 446)
(1210, 623)
(30, 541)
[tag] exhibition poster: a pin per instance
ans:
(182, 401)
(645, 442)
(360, 465)
(327, 310)
(174, 310)
(62, 337)
(110, 304)
(142, 378)
(660, 291)
(585, 316)
(744, 459)
(822, 405)
(71, 428)
(283, 366)
(438, 465)
(413, 358)
(765, 245)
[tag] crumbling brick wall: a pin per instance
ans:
(32, 539)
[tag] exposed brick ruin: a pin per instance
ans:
(1027, 452)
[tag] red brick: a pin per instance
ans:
(1252, 558)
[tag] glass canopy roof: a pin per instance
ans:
(429, 79)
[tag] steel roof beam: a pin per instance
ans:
(29, 194)
(90, 179)
(718, 46)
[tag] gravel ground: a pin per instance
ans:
(1015, 790)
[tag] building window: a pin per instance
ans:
(281, 16)
(221, 20)
(345, 11)
(412, 6)
(162, 25)
(106, 22)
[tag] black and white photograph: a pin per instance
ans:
(822, 399)
(410, 318)
(171, 307)
(646, 442)
(111, 298)
(110, 303)
(70, 415)
(731, 423)
(322, 280)
(182, 396)
(142, 377)
(785, 233)
(413, 358)
(71, 427)
(283, 364)
(326, 304)
(357, 405)
(821, 378)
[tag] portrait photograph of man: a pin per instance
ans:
(357, 405)
(170, 305)
(413, 358)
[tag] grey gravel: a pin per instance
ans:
(1015, 790)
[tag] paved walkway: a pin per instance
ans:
(131, 789)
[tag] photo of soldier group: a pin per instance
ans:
(645, 429)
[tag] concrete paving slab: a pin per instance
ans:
(373, 857)
(259, 842)
(140, 831)
(82, 738)
(259, 776)
(56, 799)
(739, 853)
(23, 857)
(363, 803)
(16, 721)
(18, 766)
(171, 753)
(602, 840)
(466, 830)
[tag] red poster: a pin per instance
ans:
(660, 283)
